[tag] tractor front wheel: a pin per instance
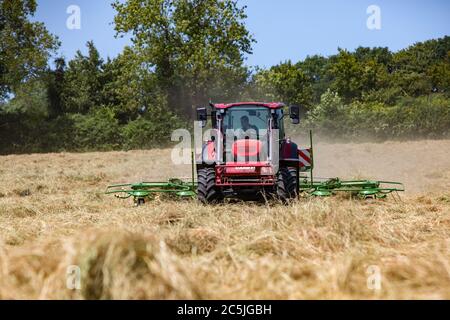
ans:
(287, 183)
(207, 191)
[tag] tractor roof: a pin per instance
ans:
(271, 105)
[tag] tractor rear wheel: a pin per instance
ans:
(207, 192)
(287, 183)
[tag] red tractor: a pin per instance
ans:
(247, 154)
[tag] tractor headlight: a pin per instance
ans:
(266, 171)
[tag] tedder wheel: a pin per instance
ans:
(207, 191)
(139, 202)
(287, 183)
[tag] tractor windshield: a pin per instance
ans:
(250, 122)
(245, 119)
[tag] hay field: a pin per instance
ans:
(53, 215)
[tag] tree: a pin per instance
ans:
(315, 68)
(422, 68)
(83, 82)
(346, 73)
(285, 82)
(191, 45)
(129, 89)
(30, 101)
(327, 115)
(439, 75)
(352, 77)
(55, 87)
(25, 46)
(378, 54)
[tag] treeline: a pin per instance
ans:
(186, 53)
(370, 92)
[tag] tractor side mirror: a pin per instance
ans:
(202, 116)
(294, 114)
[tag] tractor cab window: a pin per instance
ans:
(251, 121)
(246, 122)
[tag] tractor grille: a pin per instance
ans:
(245, 181)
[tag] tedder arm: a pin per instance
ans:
(325, 187)
(364, 189)
(146, 190)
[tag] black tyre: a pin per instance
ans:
(139, 202)
(207, 192)
(287, 183)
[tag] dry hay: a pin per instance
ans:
(53, 215)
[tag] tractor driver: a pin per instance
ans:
(245, 123)
(247, 129)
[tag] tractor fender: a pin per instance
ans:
(288, 150)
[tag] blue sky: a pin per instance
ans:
(284, 29)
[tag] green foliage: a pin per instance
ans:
(186, 52)
(427, 116)
(328, 114)
(144, 133)
(423, 67)
(83, 82)
(195, 47)
(351, 77)
(370, 92)
(98, 130)
(25, 46)
(315, 68)
(30, 101)
(55, 87)
(285, 82)
(411, 118)
(347, 75)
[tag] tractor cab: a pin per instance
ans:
(247, 152)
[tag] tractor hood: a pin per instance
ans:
(247, 149)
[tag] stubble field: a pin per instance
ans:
(53, 215)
